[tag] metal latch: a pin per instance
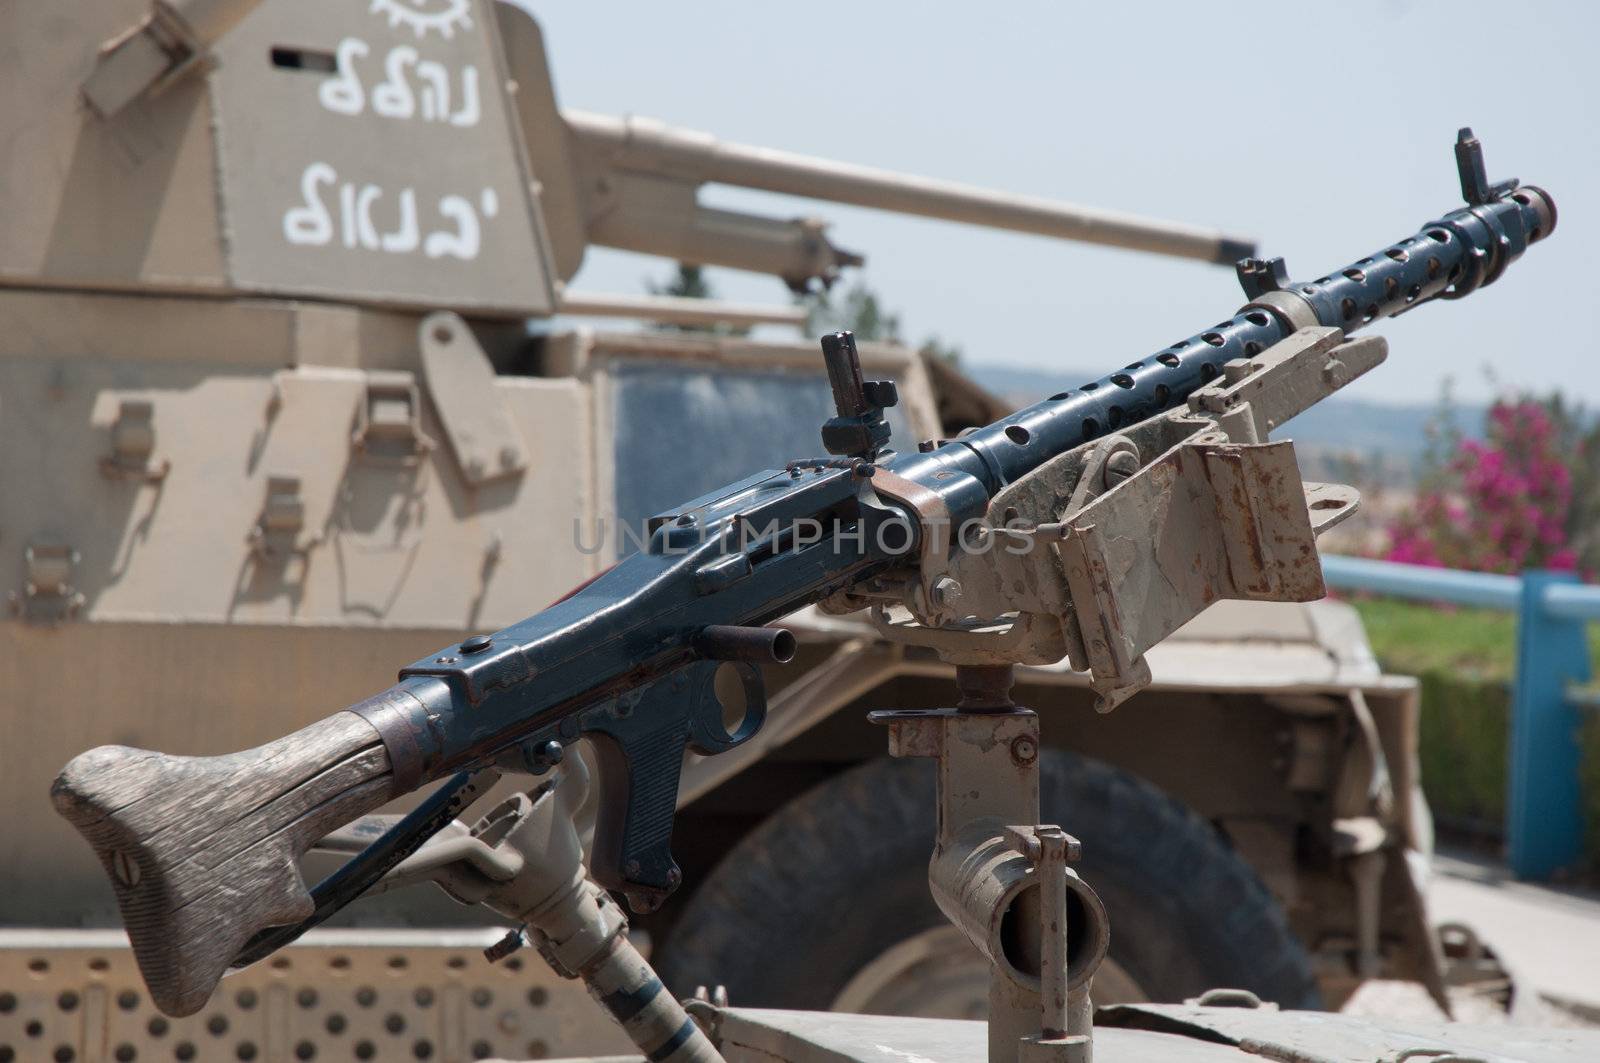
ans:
(47, 595)
(145, 59)
(133, 444)
(461, 380)
(277, 532)
(388, 427)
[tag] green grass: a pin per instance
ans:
(1412, 638)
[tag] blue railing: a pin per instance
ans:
(1544, 811)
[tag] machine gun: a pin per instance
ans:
(1088, 526)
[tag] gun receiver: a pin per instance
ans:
(202, 850)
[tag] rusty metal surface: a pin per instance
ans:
(382, 995)
(1000, 876)
(1104, 551)
(1207, 521)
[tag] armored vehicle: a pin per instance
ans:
(291, 376)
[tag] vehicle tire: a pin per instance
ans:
(833, 888)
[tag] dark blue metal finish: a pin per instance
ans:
(859, 428)
(1448, 258)
(627, 659)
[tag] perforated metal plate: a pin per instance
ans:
(75, 997)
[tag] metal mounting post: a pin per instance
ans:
(1000, 876)
(1544, 808)
(524, 860)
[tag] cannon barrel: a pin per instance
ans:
(647, 146)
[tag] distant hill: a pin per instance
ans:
(1390, 436)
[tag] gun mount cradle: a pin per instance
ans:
(1102, 552)
(1196, 503)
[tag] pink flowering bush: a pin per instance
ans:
(1504, 503)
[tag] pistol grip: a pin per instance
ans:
(639, 739)
(641, 756)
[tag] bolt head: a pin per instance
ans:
(1120, 466)
(1024, 750)
(477, 644)
(945, 591)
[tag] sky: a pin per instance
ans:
(1322, 130)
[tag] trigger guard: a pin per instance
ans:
(707, 735)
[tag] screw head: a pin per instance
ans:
(1024, 750)
(1120, 466)
(125, 867)
(477, 644)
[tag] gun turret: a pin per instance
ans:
(371, 154)
(632, 183)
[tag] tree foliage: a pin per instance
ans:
(858, 309)
(689, 282)
(1527, 495)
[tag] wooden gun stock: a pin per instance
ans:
(202, 851)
